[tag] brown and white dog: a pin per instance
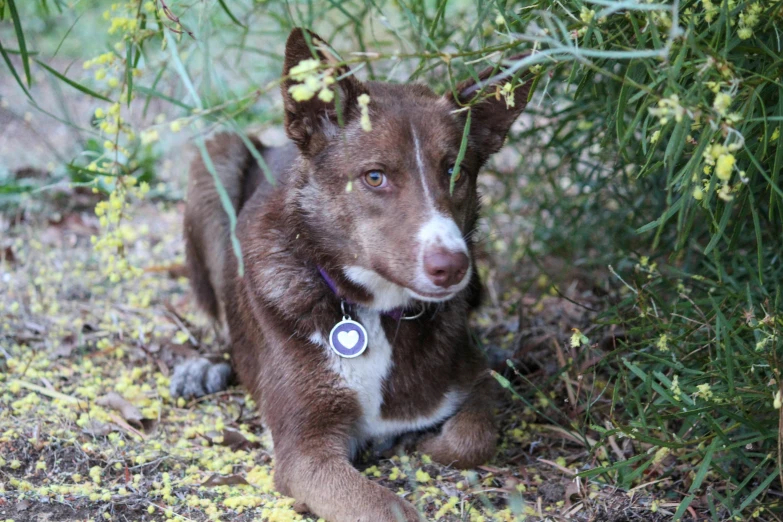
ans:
(360, 228)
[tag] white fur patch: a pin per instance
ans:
(439, 231)
(366, 376)
(386, 295)
(422, 170)
(442, 231)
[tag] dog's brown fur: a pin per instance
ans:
(279, 312)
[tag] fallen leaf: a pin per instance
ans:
(7, 255)
(231, 438)
(174, 271)
(128, 411)
(95, 428)
(127, 427)
(225, 480)
(67, 345)
(300, 507)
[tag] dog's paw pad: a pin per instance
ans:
(198, 377)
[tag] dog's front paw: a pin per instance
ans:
(462, 442)
(198, 377)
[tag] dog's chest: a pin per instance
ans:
(368, 374)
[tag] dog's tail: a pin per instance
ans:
(207, 227)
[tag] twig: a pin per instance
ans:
(49, 393)
(565, 470)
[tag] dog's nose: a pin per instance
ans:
(445, 268)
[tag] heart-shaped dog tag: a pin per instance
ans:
(348, 338)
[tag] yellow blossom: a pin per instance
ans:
(578, 338)
(326, 95)
(586, 15)
(508, 94)
(149, 136)
(422, 476)
(704, 391)
(303, 69)
(675, 388)
(301, 92)
(724, 166)
(364, 107)
(721, 103)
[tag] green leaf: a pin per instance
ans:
(228, 207)
(229, 13)
(152, 93)
(129, 69)
(13, 71)
(463, 147)
(20, 39)
(75, 85)
(703, 469)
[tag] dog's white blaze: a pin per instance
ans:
(366, 376)
(422, 170)
(440, 230)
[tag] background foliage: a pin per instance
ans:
(651, 158)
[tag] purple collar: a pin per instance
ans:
(394, 313)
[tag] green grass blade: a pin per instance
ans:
(758, 491)
(463, 147)
(11, 68)
(75, 85)
(698, 479)
(21, 40)
(129, 69)
(230, 14)
(152, 93)
(228, 207)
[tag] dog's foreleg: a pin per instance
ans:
(311, 428)
(469, 438)
(334, 490)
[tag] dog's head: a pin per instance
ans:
(378, 162)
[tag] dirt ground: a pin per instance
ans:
(88, 430)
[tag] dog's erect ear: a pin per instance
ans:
(312, 95)
(500, 105)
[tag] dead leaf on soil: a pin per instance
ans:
(225, 480)
(67, 345)
(128, 411)
(7, 255)
(231, 438)
(96, 428)
(174, 271)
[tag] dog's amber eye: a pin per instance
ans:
(375, 178)
(451, 173)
